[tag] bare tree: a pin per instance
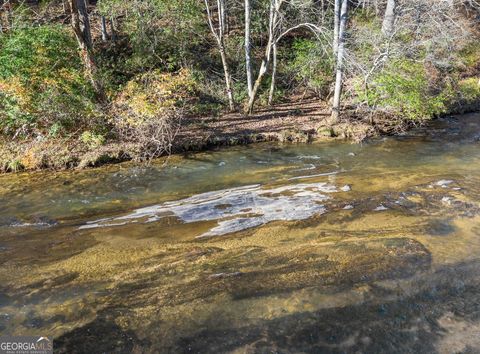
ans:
(248, 60)
(340, 66)
(276, 24)
(81, 28)
(272, 20)
(219, 35)
(437, 30)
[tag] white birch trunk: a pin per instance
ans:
(272, 24)
(340, 65)
(248, 60)
(336, 26)
(274, 74)
(219, 35)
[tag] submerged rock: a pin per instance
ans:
(321, 266)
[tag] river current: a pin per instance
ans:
(324, 247)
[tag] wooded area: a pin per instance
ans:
(93, 73)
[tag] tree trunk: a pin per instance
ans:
(258, 82)
(80, 13)
(274, 9)
(112, 30)
(274, 74)
(81, 28)
(219, 37)
(104, 29)
(6, 14)
(248, 60)
(336, 26)
(389, 19)
(228, 79)
(340, 66)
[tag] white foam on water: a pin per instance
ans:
(234, 209)
(447, 200)
(30, 224)
(309, 167)
(308, 157)
(381, 207)
(443, 183)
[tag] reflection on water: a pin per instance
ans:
(328, 247)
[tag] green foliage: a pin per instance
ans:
(161, 33)
(151, 95)
(366, 18)
(41, 51)
(311, 66)
(148, 112)
(92, 140)
(113, 65)
(470, 54)
(42, 87)
(14, 165)
(404, 87)
(469, 89)
(208, 96)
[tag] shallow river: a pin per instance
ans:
(326, 247)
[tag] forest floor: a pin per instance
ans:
(297, 118)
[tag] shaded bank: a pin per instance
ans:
(300, 121)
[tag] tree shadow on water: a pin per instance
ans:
(402, 312)
(404, 324)
(100, 336)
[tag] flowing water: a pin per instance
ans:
(326, 247)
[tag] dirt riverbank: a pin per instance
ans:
(294, 121)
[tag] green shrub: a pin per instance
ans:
(161, 33)
(311, 66)
(92, 140)
(14, 166)
(404, 87)
(148, 111)
(42, 87)
(469, 89)
(470, 54)
(153, 94)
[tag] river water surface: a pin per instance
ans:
(326, 247)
